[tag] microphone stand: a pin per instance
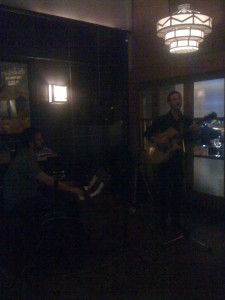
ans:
(132, 208)
(185, 234)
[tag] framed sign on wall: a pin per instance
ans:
(14, 98)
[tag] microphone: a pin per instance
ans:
(177, 111)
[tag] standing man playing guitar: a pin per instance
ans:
(166, 136)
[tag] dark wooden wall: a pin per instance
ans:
(91, 60)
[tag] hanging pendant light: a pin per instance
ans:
(184, 30)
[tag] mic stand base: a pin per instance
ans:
(187, 236)
(127, 246)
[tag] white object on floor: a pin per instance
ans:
(99, 189)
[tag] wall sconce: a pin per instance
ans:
(57, 93)
(184, 30)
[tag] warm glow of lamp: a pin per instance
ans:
(57, 93)
(184, 30)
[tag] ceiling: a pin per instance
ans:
(112, 13)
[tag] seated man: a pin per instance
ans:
(24, 176)
(22, 179)
(42, 208)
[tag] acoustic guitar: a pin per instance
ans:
(172, 141)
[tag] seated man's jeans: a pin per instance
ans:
(50, 201)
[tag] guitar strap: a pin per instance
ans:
(182, 134)
(185, 158)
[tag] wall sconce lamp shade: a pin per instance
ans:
(184, 30)
(57, 93)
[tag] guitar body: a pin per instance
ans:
(172, 141)
(157, 156)
(168, 133)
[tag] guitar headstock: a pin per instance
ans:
(210, 117)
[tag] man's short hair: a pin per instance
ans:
(172, 93)
(28, 136)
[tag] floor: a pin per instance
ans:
(130, 261)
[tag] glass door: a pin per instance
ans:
(209, 152)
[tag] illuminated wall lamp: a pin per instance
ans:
(57, 93)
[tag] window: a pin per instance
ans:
(209, 154)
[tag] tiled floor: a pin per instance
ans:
(181, 270)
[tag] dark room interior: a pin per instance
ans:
(93, 77)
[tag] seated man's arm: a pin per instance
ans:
(48, 180)
(45, 178)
